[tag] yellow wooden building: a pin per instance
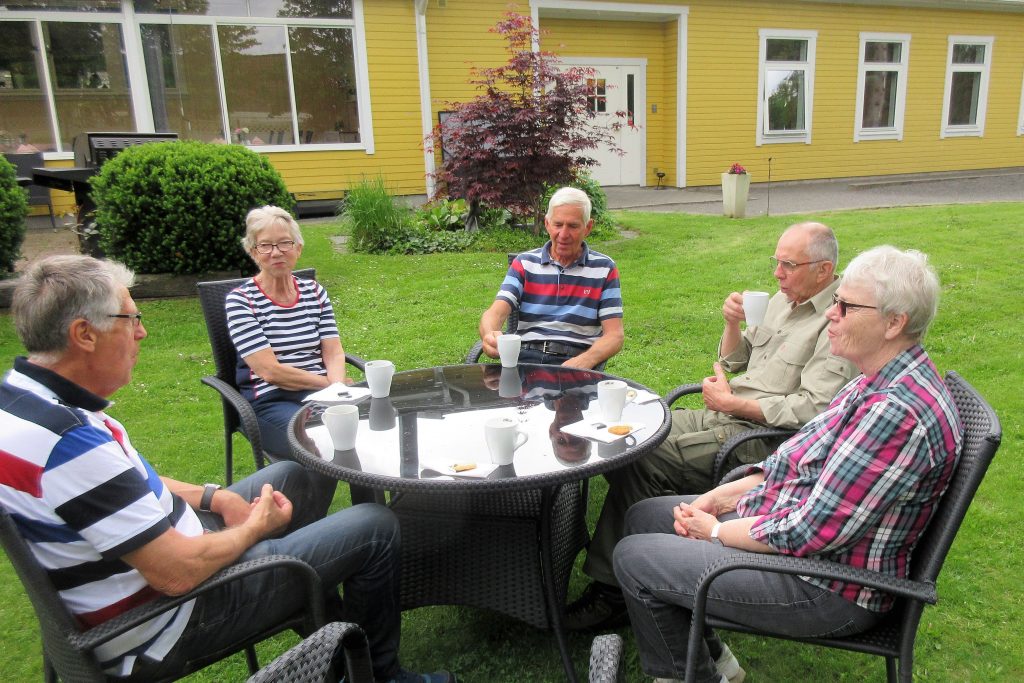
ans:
(333, 90)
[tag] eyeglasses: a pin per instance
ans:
(136, 318)
(268, 247)
(790, 266)
(846, 305)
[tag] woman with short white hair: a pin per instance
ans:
(856, 485)
(284, 330)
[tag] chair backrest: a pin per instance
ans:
(56, 624)
(211, 298)
(982, 435)
(23, 164)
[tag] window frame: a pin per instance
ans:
(977, 129)
(860, 133)
(130, 24)
(1020, 118)
(764, 136)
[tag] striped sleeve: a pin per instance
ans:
(243, 324)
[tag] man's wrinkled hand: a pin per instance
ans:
(716, 391)
(271, 512)
(490, 343)
(732, 309)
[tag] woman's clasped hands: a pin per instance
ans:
(692, 520)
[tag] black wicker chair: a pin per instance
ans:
(238, 413)
(893, 638)
(312, 660)
(606, 665)
(511, 325)
(68, 648)
(772, 435)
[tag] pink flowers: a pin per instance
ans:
(736, 169)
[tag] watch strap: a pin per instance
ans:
(714, 533)
(207, 500)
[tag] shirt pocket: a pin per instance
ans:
(782, 374)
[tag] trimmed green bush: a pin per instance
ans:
(179, 207)
(13, 209)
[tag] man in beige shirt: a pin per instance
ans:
(788, 377)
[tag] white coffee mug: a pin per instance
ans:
(342, 423)
(754, 306)
(508, 349)
(378, 377)
(510, 385)
(503, 438)
(611, 397)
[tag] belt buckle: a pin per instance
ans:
(549, 348)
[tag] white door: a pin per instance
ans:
(619, 88)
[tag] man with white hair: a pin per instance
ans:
(568, 296)
(113, 534)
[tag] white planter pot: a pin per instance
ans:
(735, 188)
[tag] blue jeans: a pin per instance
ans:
(541, 358)
(658, 573)
(273, 413)
(357, 547)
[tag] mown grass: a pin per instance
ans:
(423, 310)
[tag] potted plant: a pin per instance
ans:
(735, 188)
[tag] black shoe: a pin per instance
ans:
(600, 608)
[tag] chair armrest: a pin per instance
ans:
(246, 415)
(799, 566)
(474, 354)
(735, 440)
(311, 659)
(606, 659)
(680, 391)
(98, 635)
(355, 361)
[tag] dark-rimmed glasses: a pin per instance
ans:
(790, 266)
(283, 246)
(846, 305)
(136, 318)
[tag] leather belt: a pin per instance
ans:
(555, 348)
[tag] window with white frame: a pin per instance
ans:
(881, 86)
(274, 72)
(786, 86)
(1020, 120)
(966, 93)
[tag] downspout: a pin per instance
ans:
(423, 67)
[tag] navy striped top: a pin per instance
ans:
(562, 303)
(293, 330)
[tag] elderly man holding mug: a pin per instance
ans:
(568, 296)
(857, 484)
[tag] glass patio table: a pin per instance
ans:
(500, 537)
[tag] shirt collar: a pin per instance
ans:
(64, 389)
(902, 363)
(546, 258)
(823, 299)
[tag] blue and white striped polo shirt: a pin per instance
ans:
(558, 303)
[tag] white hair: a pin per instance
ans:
(570, 196)
(258, 220)
(902, 281)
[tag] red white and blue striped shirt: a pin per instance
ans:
(82, 497)
(859, 483)
(558, 303)
(293, 331)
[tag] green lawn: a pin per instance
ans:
(422, 310)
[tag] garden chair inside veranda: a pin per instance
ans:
(68, 647)
(238, 413)
(893, 637)
(316, 658)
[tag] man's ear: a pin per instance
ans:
(81, 335)
(895, 325)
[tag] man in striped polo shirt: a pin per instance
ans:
(568, 297)
(113, 534)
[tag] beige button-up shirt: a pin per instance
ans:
(788, 368)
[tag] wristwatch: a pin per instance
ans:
(207, 499)
(714, 534)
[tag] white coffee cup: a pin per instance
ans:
(754, 306)
(378, 377)
(611, 397)
(342, 423)
(503, 438)
(510, 385)
(508, 349)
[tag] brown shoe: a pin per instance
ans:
(600, 608)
